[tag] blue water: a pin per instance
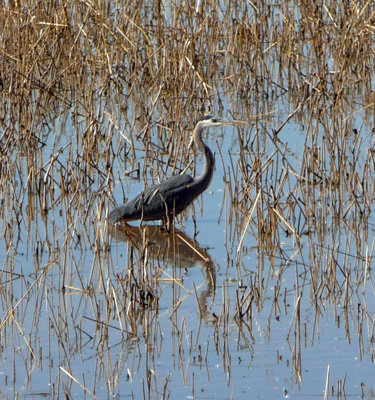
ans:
(65, 273)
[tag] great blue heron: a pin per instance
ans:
(169, 198)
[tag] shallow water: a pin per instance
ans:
(191, 343)
(265, 287)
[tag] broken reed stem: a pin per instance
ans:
(254, 205)
(326, 390)
(77, 381)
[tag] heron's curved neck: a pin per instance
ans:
(205, 178)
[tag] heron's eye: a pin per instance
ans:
(214, 120)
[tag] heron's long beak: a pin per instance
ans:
(235, 123)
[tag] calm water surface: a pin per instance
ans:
(180, 353)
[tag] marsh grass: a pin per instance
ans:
(97, 96)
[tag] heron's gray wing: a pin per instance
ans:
(167, 188)
(169, 197)
(155, 202)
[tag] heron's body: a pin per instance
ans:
(169, 198)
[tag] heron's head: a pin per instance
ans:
(211, 121)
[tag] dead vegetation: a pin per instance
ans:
(97, 97)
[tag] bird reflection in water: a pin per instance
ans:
(175, 249)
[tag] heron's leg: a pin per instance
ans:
(164, 224)
(168, 223)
